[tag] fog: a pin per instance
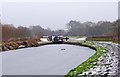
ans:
(56, 15)
(119, 10)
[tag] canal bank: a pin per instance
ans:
(104, 65)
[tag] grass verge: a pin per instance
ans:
(90, 62)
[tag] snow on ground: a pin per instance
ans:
(108, 63)
(81, 39)
(56, 59)
(75, 39)
(44, 39)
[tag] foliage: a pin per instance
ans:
(77, 28)
(116, 26)
(10, 32)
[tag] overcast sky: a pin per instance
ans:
(56, 15)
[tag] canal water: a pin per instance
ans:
(55, 59)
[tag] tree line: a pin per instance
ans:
(74, 28)
(10, 32)
(89, 28)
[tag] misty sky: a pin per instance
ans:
(56, 15)
(119, 10)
